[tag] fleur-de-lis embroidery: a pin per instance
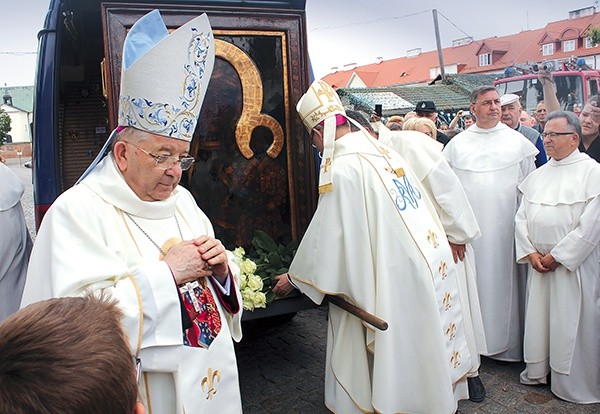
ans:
(432, 239)
(455, 359)
(451, 331)
(447, 301)
(442, 269)
(210, 382)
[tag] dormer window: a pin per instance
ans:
(548, 49)
(485, 59)
(569, 45)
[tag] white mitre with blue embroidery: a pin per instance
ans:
(165, 76)
(163, 79)
(321, 104)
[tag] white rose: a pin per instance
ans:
(239, 253)
(248, 299)
(248, 266)
(243, 281)
(255, 283)
(260, 300)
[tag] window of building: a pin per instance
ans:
(548, 49)
(569, 45)
(485, 59)
(588, 43)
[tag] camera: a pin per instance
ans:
(547, 66)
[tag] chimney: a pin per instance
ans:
(7, 99)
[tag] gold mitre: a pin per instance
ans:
(165, 76)
(318, 103)
(321, 104)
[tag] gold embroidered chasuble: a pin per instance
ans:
(376, 241)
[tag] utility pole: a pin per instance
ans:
(439, 45)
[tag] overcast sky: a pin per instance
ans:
(340, 32)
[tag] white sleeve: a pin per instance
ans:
(575, 247)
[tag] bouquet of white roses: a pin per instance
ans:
(251, 285)
(258, 269)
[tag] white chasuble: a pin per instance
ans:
(374, 241)
(88, 240)
(490, 164)
(560, 215)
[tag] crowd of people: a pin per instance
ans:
(484, 241)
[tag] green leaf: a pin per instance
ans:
(264, 241)
(270, 297)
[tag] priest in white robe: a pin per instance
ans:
(558, 234)
(491, 160)
(375, 240)
(456, 215)
(129, 230)
(15, 242)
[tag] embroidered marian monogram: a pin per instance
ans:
(405, 194)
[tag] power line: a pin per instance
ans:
(378, 20)
(18, 53)
(460, 30)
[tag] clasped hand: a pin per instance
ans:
(201, 257)
(543, 263)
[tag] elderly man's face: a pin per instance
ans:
(487, 109)
(559, 146)
(589, 128)
(148, 180)
(510, 114)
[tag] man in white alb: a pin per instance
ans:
(557, 233)
(491, 159)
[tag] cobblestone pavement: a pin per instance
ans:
(282, 367)
(282, 363)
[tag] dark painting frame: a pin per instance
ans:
(235, 25)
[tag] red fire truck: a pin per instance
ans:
(573, 88)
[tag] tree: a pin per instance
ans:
(4, 126)
(594, 34)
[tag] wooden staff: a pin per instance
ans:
(369, 318)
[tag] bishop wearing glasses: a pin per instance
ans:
(129, 230)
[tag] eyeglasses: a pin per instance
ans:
(553, 135)
(167, 161)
